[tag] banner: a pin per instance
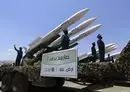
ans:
(60, 64)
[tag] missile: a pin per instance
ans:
(109, 45)
(115, 55)
(83, 56)
(34, 41)
(73, 45)
(41, 46)
(81, 26)
(74, 18)
(84, 34)
(108, 48)
(40, 52)
(75, 30)
(87, 55)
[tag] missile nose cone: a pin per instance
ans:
(99, 25)
(87, 22)
(96, 26)
(94, 18)
(83, 11)
(91, 20)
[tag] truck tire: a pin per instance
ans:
(20, 83)
(60, 82)
(6, 82)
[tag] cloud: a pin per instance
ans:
(11, 50)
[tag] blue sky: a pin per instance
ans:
(21, 21)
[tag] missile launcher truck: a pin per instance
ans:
(20, 78)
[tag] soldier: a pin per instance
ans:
(65, 40)
(19, 55)
(101, 47)
(94, 54)
(109, 58)
(112, 59)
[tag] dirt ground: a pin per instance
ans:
(79, 87)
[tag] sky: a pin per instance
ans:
(21, 21)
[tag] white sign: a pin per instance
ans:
(60, 64)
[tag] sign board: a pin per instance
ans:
(60, 64)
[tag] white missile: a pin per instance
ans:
(81, 26)
(107, 49)
(75, 30)
(84, 34)
(74, 18)
(35, 41)
(110, 49)
(83, 56)
(115, 55)
(73, 45)
(109, 45)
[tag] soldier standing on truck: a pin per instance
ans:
(101, 47)
(65, 40)
(94, 54)
(19, 55)
(110, 58)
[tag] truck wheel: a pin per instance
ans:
(6, 83)
(20, 83)
(60, 82)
